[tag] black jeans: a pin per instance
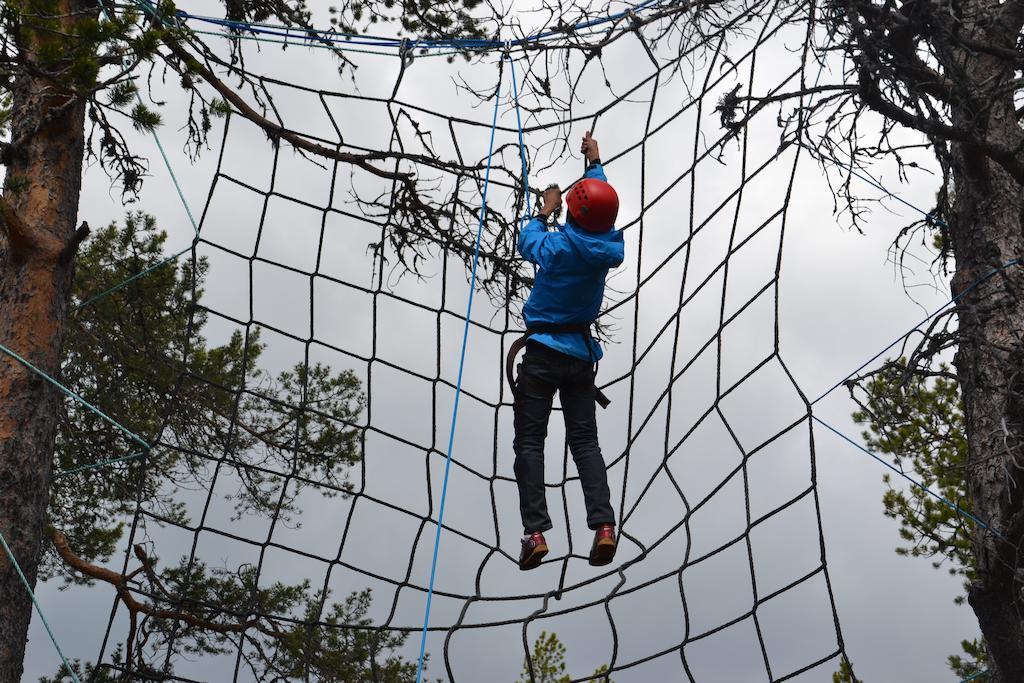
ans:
(542, 372)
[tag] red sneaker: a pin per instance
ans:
(534, 550)
(603, 550)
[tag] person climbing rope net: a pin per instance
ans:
(561, 354)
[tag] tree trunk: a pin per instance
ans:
(986, 228)
(38, 212)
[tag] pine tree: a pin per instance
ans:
(917, 420)
(547, 662)
(124, 352)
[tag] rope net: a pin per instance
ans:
(315, 262)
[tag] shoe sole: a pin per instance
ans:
(603, 553)
(533, 561)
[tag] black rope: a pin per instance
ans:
(642, 416)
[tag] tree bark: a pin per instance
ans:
(986, 230)
(38, 213)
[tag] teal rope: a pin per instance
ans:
(127, 432)
(124, 283)
(39, 610)
(953, 506)
(177, 187)
(98, 465)
(174, 178)
(914, 482)
(100, 413)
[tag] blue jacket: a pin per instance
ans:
(571, 268)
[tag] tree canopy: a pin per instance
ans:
(126, 351)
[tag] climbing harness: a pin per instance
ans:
(582, 329)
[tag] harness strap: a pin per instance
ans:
(549, 328)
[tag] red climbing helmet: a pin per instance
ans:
(593, 205)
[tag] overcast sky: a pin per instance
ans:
(840, 301)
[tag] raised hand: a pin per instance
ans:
(589, 147)
(551, 200)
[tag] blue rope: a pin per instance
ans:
(39, 610)
(318, 45)
(522, 147)
(334, 37)
(975, 676)
(952, 506)
(458, 390)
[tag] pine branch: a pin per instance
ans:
(135, 607)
